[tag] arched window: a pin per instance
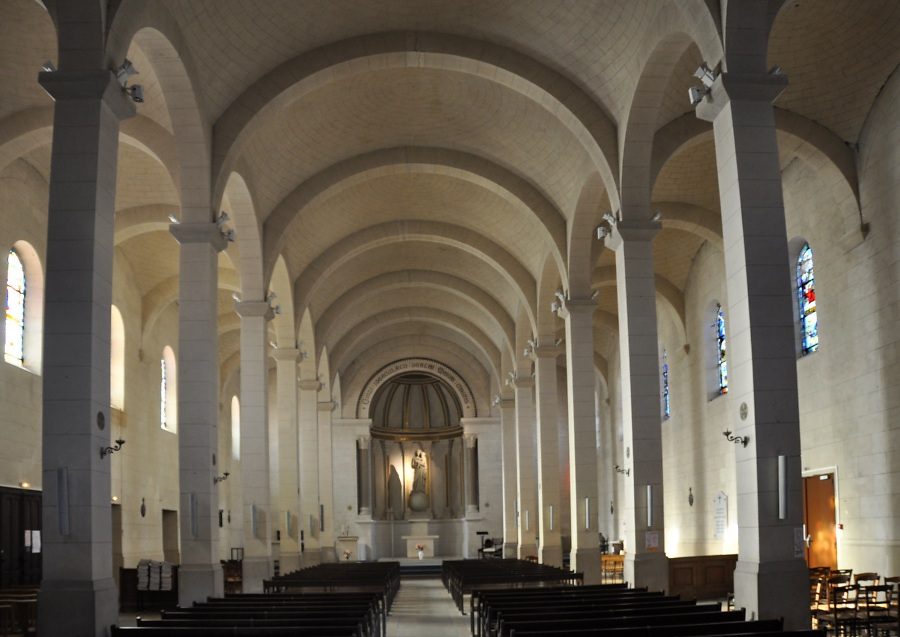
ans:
(806, 299)
(117, 360)
(721, 353)
(666, 402)
(235, 428)
(14, 351)
(168, 404)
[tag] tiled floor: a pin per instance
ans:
(423, 608)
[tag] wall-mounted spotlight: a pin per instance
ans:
(602, 232)
(48, 67)
(558, 342)
(696, 94)
(738, 440)
(173, 218)
(555, 306)
(107, 451)
(609, 218)
(776, 70)
(136, 92)
(125, 71)
(236, 298)
(657, 216)
(221, 478)
(626, 472)
(221, 220)
(705, 74)
(595, 294)
(495, 400)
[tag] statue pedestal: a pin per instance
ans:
(426, 541)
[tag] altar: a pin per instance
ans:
(426, 541)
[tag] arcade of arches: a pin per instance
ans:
(484, 267)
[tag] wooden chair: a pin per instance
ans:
(842, 613)
(880, 615)
(867, 579)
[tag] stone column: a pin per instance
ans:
(771, 577)
(200, 573)
(365, 476)
(471, 475)
(309, 470)
(645, 558)
(510, 490)
(326, 479)
(257, 564)
(78, 594)
(288, 469)
(549, 511)
(526, 467)
(583, 484)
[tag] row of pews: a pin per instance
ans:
(327, 600)
(461, 577)
(609, 610)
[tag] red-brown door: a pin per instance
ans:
(819, 520)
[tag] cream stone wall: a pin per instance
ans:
(23, 217)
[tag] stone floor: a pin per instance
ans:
(423, 608)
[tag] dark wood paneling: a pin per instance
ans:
(702, 576)
(20, 510)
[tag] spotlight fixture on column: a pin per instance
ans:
(495, 400)
(602, 232)
(173, 219)
(707, 77)
(125, 71)
(738, 440)
(221, 478)
(595, 294)
(48, 67)
(657, 216)
(270, 299)
(559, 342)
(107, 451)
(609, 218)
(221, 220)
(621, 470)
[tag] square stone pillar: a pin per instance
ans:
(471, 479)
(288, 468)
(326, 479)
(770, 579)
(645, 557)
(583, 484)
(510, 488)
(78, 595)
(309, 470)
(258, 525)
(200, 573)
(549, 510)
(364, 478)
(526, 467)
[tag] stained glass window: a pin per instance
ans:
(721, 354)
(163, 393)
(666, 403)
(14, 351)
(806, 298)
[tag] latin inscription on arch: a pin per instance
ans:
(406, 365)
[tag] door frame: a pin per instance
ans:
(820, 471)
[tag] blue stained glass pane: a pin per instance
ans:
(722, 345)
(806, 300)
(14, 349)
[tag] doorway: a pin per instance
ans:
(820, 520)
(170, 536)
(20, 537)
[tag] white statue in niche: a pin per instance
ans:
(418, 499)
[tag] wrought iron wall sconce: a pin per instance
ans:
(108, 451)
(619, 469)
(221, 478)
(738, 440)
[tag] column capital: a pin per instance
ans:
(309, 384)
(199, 233)
(288, 354)
(548, 351)
(85, 85)
(470, 439)
(363, 440)
(577, 306)
(522, 382)
(248, 309)
(327, 405)
(747, 87)
(627, 231)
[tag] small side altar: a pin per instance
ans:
(346, 547)
(426, 541)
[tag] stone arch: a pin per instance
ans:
(133, 222)
(588, 121)
(435, 368)
(467, 166)
(592, 200)
(342, 252)
(248, 243)
(346, 304)
(306, 343)
(408, 320)
(283, 323)
(551, 280)
(159, 298)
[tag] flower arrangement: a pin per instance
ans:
(346, 554)
(420, 547)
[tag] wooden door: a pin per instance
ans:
(819, 520)
(20, 537)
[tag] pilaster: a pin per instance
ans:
(548, 491)
(309, 469)
(526, 467)
(510, 489)
(471, 448)
(326, 480)
(288, 468)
